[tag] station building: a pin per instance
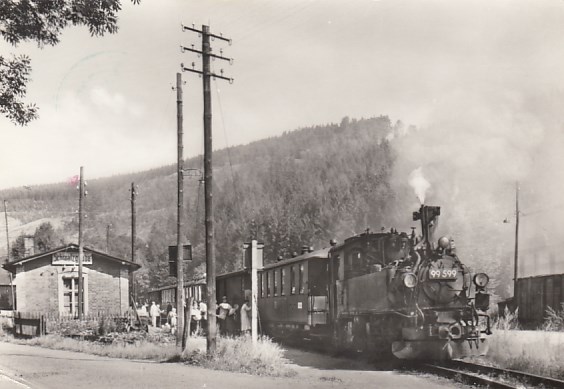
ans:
(48, 282)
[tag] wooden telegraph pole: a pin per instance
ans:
(133, 237)
(516, 261)
(7, 235)
(8, 256)
(80, 244)
(179, 248)
(206, 53)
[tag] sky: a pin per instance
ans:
(107, 103)
(482, 81)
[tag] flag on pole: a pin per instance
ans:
(74, 180)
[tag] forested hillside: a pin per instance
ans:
(304, 187)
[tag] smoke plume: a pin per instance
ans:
(419, 183)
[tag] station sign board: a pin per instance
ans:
(71, 258)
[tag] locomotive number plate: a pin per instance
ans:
(443, 274)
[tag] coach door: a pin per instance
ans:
(318, 291)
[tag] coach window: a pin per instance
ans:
(293, 278)
(268, 283)
(275, 276)
(260, 285)
(282, 279)
(302, 283)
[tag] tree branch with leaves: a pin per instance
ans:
(43, 21)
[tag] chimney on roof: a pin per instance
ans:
(29, 246)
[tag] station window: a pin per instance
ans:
(301, 279)
(70, 295)
(268, 283)
(282, 279)
(275, 276)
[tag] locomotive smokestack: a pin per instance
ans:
(429, 217)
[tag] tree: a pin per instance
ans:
(43, 21)
(45, 238)
(18, 247)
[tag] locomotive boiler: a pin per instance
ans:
(396, 292)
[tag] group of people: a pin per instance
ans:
(227, 316)
(198, 316)
(155, 313)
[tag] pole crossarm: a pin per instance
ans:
(213, 36)
(201, 73)
(199, 52)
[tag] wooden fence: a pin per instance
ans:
(29, 325)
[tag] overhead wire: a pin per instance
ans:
(235, 189)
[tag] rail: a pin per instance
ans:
(491, 377)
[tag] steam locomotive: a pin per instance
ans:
(377, 293)
(380, 293)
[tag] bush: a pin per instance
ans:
(554, 320)
(265, 358)
(509, 320)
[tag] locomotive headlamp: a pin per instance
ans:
(409, 280)
(481, 280)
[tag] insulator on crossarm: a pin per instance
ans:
(230, 61)
(182, 50)
(193, 65)
(231, 81)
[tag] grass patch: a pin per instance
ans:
(232, 354)
(536, 352)
(145, 349)
(265, 358)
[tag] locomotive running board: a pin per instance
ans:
(439, 350)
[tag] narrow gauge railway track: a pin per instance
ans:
(491, 377)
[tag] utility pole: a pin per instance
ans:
(133, 237)
(206, 53)
(179, 247)
(8, 257)
(80, 244)
(516, 261)
(108, 238)
(7, 235)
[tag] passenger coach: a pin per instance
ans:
(293, 296)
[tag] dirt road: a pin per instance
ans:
(24, 367)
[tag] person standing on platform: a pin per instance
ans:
(154, 312)
(204, 313)
(223, 310)
(172, 318)
(246, 317)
